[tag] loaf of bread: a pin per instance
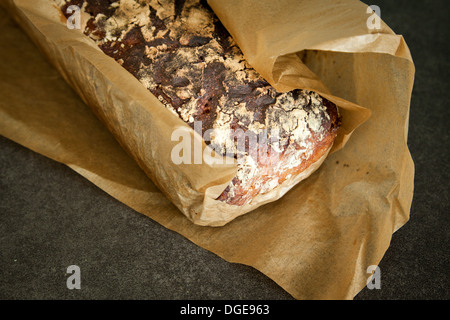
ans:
(182, 54)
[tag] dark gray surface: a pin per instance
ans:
(52, 218)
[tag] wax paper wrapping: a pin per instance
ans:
(318, 240)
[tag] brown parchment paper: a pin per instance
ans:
(143, 126)
(136, 118)
(318, 240)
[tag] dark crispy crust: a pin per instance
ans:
(210, 84)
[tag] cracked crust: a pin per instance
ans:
(181, 53)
